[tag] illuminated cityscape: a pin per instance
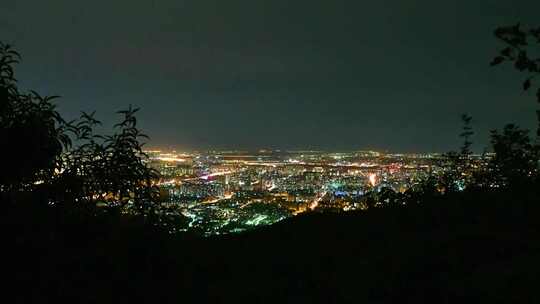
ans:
(221, 192)
(304, 152)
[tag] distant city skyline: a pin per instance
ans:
(171, 149)
(233, 191)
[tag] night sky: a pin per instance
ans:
(249, 74)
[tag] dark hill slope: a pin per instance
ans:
(465, 248)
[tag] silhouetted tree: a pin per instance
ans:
(457, 165)
(466, 135)
(520, 49)
(516, 156)
(66, 162)
(32, 132)
(109, 169)
(515, 161)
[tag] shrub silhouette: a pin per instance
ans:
(515, 162)
(30, 129)
(63, 162)
(109, 169)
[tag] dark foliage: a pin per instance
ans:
(521, 46)
(58, 162)
(466, 135)
(515, 162)
(458, 170)
(31, 131)
(109, 169)
(476, 247)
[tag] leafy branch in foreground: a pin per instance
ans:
(109, 169)
(33, 132)
(522, 49)
(516, 156)
(66, 162)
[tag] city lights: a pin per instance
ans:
(230, 191)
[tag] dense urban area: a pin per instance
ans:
(221, 192)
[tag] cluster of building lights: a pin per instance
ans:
(223, 192)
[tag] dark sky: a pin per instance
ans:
(383, 74)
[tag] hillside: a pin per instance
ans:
(465, 248)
